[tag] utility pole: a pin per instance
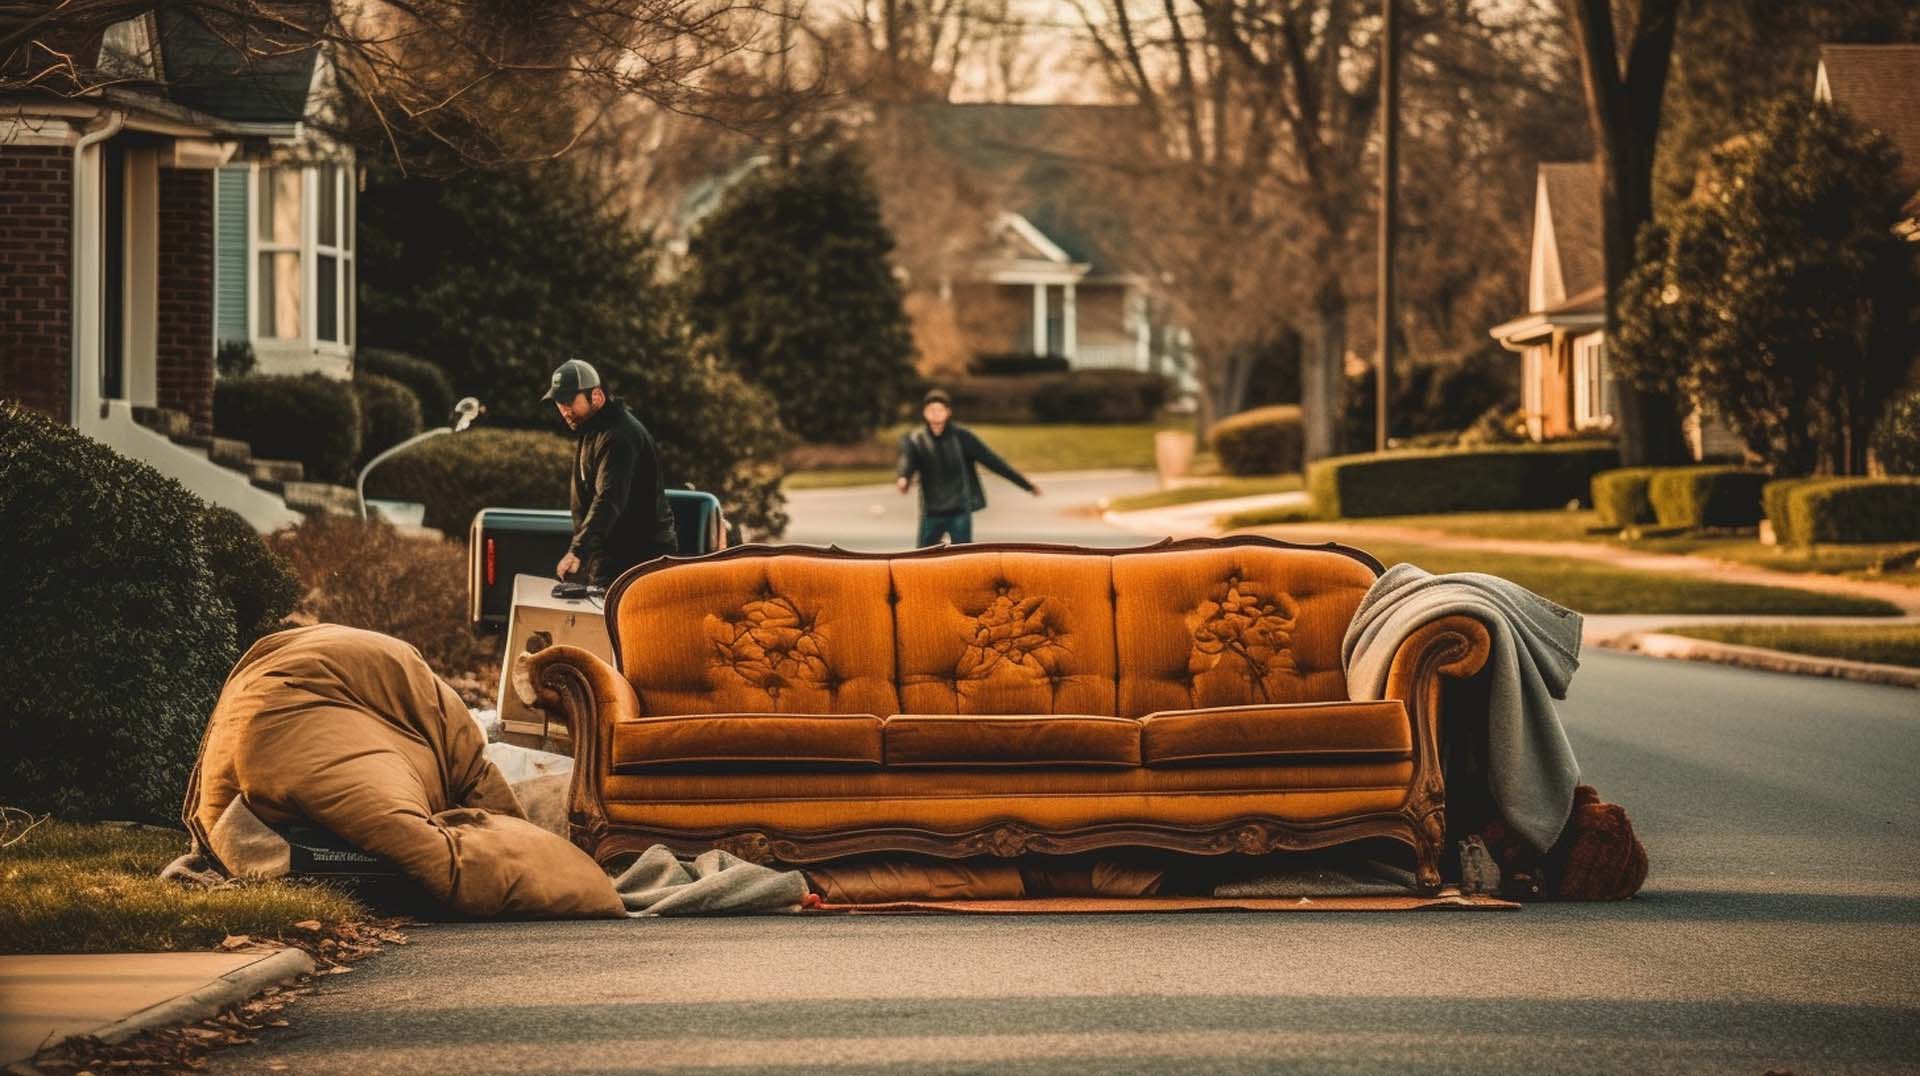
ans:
(1389, 197)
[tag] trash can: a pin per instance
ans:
(1173, 455)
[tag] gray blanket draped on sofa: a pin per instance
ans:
(1536, 648)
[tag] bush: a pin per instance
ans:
(312, 418)
(259, 585)
(389, 413)
(349, 570)
(1103, 396)
(1265, 440)
(457, 475)
(429, 383)
(1849, 510)
(1695, 497)
(118, 636)
(234, 358)
(1896, 438)
(1774, 497)
(1620, 497)
(1017, 364)
(1447, 391)
(1497, 425)
(1485, 479)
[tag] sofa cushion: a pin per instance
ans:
(1245, 735)
(747, 741)
(1019, 632)
(771, 634)
(1232, 626)
(1011, 740)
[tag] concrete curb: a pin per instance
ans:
(1659, 645)
(229, 989)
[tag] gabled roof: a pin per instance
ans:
(208, 71)
(1573, 200)
(1879, 87)
(1045, 163)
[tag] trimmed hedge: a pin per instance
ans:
(1486, 479)
(311, 418)
(118, 635)
(1773, 503)
(457, 475)
(430, 384)
(257, 583)
(1620, 497)
(1845, 510)
(1018, 364)
(1695, 497)
(1105, 396)
(389, 412)
(1264, 440)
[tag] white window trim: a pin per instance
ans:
(308, 343)
(1589, 382)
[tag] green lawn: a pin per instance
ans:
(69, 888)
(1212, 491)
(1894, 644)
(1592, 587)
(1035, 449)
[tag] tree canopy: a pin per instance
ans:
(790, 283)
(1778, 294)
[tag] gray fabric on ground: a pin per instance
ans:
(1536, 648)
(1324, 877)
(712, 883)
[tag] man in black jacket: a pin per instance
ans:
(946, 456)
(620, 511)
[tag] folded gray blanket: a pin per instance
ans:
(1536, 648)
(712, 883)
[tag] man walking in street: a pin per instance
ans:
(946, 456)
(619, 496)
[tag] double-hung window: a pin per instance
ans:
(1592, 395)
(285, 257)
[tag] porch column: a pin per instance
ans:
(1039, 319)
(1142, 343)
(1070, 324)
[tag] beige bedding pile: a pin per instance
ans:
(352, 731)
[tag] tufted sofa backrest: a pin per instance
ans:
(988, 630)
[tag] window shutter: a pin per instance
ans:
(230, 256)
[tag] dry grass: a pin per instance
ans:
(1894, 644)
(72, 888)
(367, 575)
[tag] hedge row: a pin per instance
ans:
(457, 475)
(1808, 510)
(1488, 479)
(312, 418)
(1620, 497)
(1708, 496)
(1264, 440)
(389, 412)
(429, 383)
(1112, 396)
(128, 599)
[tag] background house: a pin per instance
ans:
(1060, 269)
(182, 198)
(1879, 87)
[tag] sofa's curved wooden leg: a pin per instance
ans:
(1429, 845)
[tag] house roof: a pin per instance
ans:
(1573, 204)
(1045, 163)
(1587, 310)
(207, 71)
(1879, 87)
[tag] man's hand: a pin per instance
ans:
(902, 484)
(1035, 490)
(568, 565)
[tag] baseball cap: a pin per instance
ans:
(574, 377)
(936, 396)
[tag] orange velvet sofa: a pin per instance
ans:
(796, 704)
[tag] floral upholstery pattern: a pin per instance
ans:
(1018, 631)
(1240, 631)
(770, 644)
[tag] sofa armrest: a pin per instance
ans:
(589, 697)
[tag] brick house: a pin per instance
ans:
(185, 200)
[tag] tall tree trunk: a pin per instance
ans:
(1323, 375)
(1625, 109)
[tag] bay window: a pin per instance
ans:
(296, 253)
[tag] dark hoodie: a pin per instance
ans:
(620, 511)
(948, 466)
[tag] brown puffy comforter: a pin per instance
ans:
(352, 731)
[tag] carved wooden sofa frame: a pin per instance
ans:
(590, 697)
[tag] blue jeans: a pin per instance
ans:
(955, 525)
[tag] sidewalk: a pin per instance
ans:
(45, 1000)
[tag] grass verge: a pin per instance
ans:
(95, 888)
(1598, 588)
(1893, 644)
(1211, 491)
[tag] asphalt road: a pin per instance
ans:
(1777, 933)
(882, 518)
